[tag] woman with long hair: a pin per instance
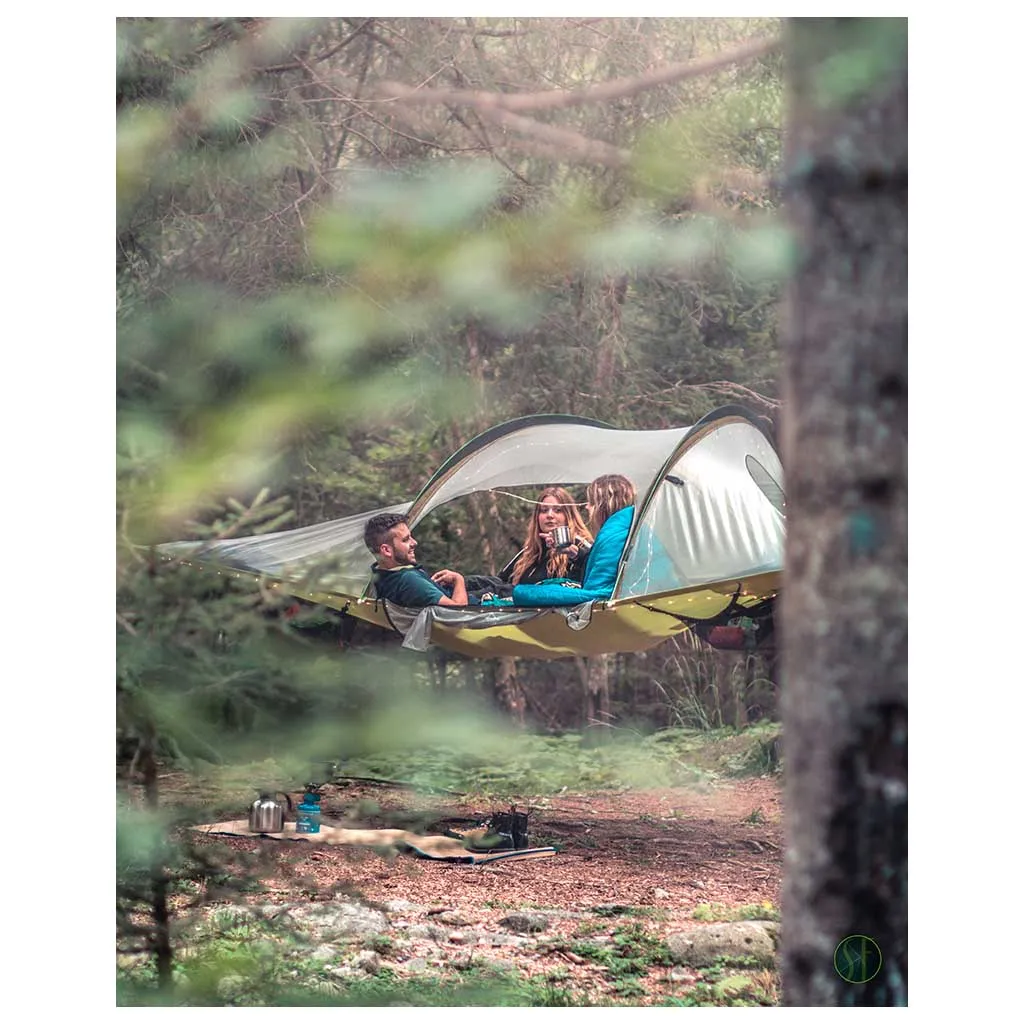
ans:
(611, 505)
(607, 495)
(540, 559)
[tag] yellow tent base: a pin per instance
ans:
(635, 624)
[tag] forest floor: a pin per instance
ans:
(664, 859)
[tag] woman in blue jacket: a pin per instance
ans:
(611, 503)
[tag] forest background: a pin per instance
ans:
(345, 247)
(594, 307)
(331, 283)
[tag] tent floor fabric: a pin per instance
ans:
(430, 847)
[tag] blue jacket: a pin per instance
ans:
(602, 566)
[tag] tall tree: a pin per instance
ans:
(844, 431)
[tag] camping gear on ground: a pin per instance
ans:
(267, 814)
(560, 537)
(445, 848)
(504, 830)
(307, 815)
(705, 544)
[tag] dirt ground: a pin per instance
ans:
(667, 850)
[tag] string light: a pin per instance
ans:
(531, 501)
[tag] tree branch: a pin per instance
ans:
(127, 625)
(578, 146)
(617, 88)
(329, 52)
(479, 132)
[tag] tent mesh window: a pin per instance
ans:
(768, 484)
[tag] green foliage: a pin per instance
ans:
(705, 994)
(236, 351)
(251, 962)
(207, 669)
(722, 985)
(859, 58)
(708, 140)
(701, 689)
(758, 756)
(629, 988)
(310, 318)
(632, 952)
(527, 765)
(499, 764)
(751, 912)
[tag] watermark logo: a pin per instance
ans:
(857, 959)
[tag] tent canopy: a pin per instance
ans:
(707, 538)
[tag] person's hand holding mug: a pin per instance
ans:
(561, 537)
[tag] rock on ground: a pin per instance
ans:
(701, 947)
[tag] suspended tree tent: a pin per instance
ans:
(705, 545)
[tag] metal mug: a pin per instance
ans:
(561, 537)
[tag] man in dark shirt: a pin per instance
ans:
(398, 578)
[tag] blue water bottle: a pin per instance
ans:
(307, 814)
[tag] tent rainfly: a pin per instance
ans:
(705, 545)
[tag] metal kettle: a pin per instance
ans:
(267, 813)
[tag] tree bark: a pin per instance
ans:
(509, 691)
(844, 443)
(610, 341)
(159, 906)
(596, 694)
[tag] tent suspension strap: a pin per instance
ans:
(734, 604)
(702, 627)
(672, 615)
(723, 616)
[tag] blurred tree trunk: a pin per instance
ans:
(509, 691)
(596, 694)
(610, 340)
(844, 610)
(159, 908)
